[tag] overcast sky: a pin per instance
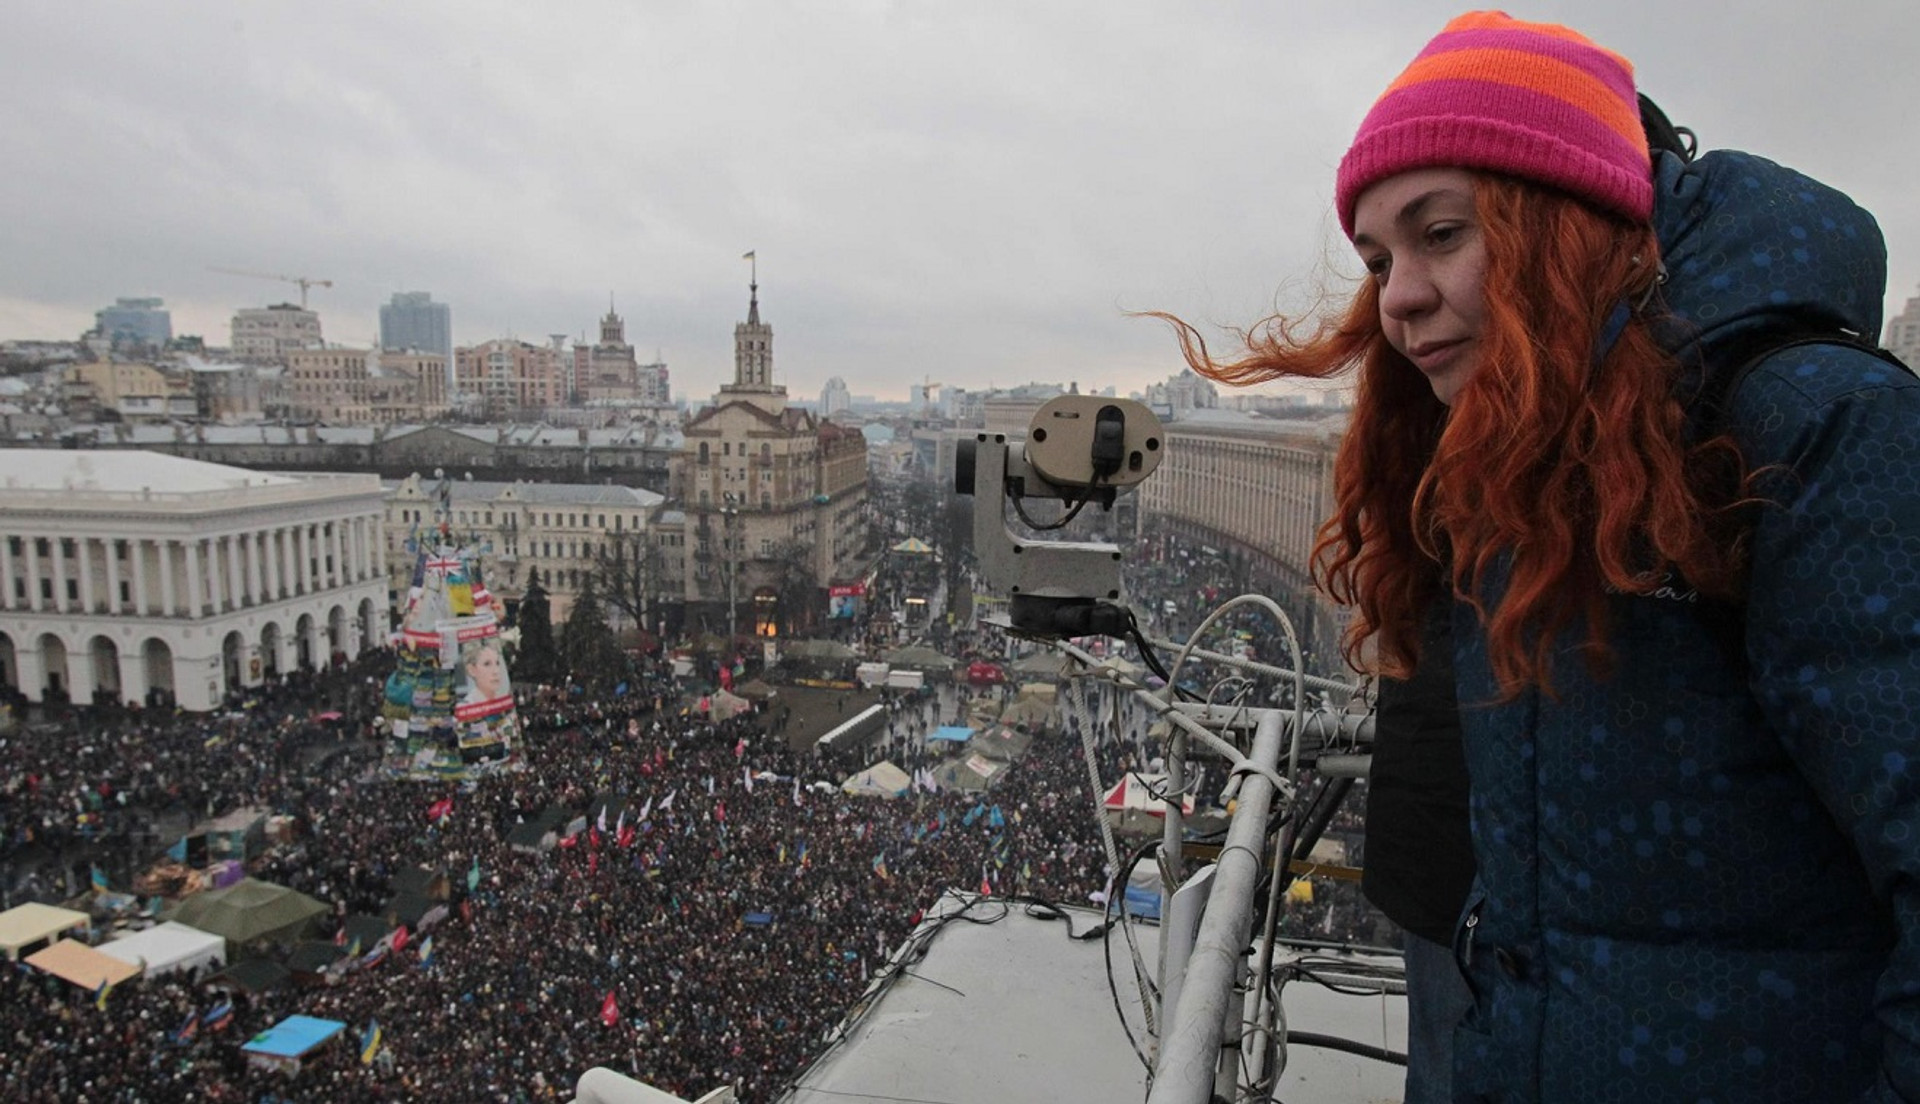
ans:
(969, 192)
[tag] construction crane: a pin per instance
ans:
(305, 282)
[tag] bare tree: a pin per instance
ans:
(794, 583)
(629, 571)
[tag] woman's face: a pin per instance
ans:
(487, 672)
(1420, 239)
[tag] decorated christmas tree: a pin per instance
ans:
(449, 701)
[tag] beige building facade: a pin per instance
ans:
(151, 578)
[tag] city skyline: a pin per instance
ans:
(976, 197)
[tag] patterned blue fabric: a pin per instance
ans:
(1700, 879)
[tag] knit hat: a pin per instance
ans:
(1532, 100)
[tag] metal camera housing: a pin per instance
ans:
(1079, 449)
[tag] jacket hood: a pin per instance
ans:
(1752, 245)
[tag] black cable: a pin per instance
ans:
(1119, 890)
(1065, 521)
(1348, 1046)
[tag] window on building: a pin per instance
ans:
(126, 592)
(726, 448)
(46, 589)
(41, 546)
(703, 452)
(73, 590)
(603, 521)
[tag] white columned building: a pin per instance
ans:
(156, 578)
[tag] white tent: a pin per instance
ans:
(28, 925)
(1132, 807)
(168, 948)
(882, 779)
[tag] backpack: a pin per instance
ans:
(1718, 388)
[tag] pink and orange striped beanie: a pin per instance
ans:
(1532, 100)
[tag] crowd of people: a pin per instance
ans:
(713, 929)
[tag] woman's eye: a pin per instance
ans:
(1376, 267)
(1442, 235)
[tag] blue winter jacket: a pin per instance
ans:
(1699, 879)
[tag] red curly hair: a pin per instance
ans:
(1549, 483)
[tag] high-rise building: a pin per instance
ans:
(134, 322)
(1903, 332)
(268, 334)
(511, 377)
(413, 322)
(834, 397)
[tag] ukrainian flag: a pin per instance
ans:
(370, 1043)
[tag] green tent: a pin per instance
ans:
(250, 911)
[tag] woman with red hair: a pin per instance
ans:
(1675, 561)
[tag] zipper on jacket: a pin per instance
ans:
(1466, 948)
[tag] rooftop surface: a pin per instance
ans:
(123, 471)
(1007, 1009)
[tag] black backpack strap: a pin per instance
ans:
(1715, 401)
(1663, 135)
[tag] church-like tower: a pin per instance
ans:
(753, 343)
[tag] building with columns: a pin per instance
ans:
(154, 578)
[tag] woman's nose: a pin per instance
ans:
(1409, 293)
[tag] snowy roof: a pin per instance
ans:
(118, 470)
(481, 491)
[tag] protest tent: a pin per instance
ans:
(1002, 743)
(80, 964)
(1030, 713)
(169, 948)
(971, 773)
(363, 929)
(882, 779)
(913, 546)
(24, 926)
(1131, 805)
(285, 1045)
(920, 658)
(408, 909)
(756, 690)
(312, 957)
(1040, 665)
(251, 911)
(723, 704)
(251, 975)
(540, 833)
(433, 883)
(950, 734)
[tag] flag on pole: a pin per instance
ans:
(99, 880)
(100, 995)
(602, 822)
(219, 1017)
(440, 809)
(188, 1028)
(473, 875)
(667, 801)
(400, 937)
(796, 789)
(646, 810)
(986, 887)
(609, 1010)
(426, 952)
(370, 1043)
(748, 255)
(746, 778)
